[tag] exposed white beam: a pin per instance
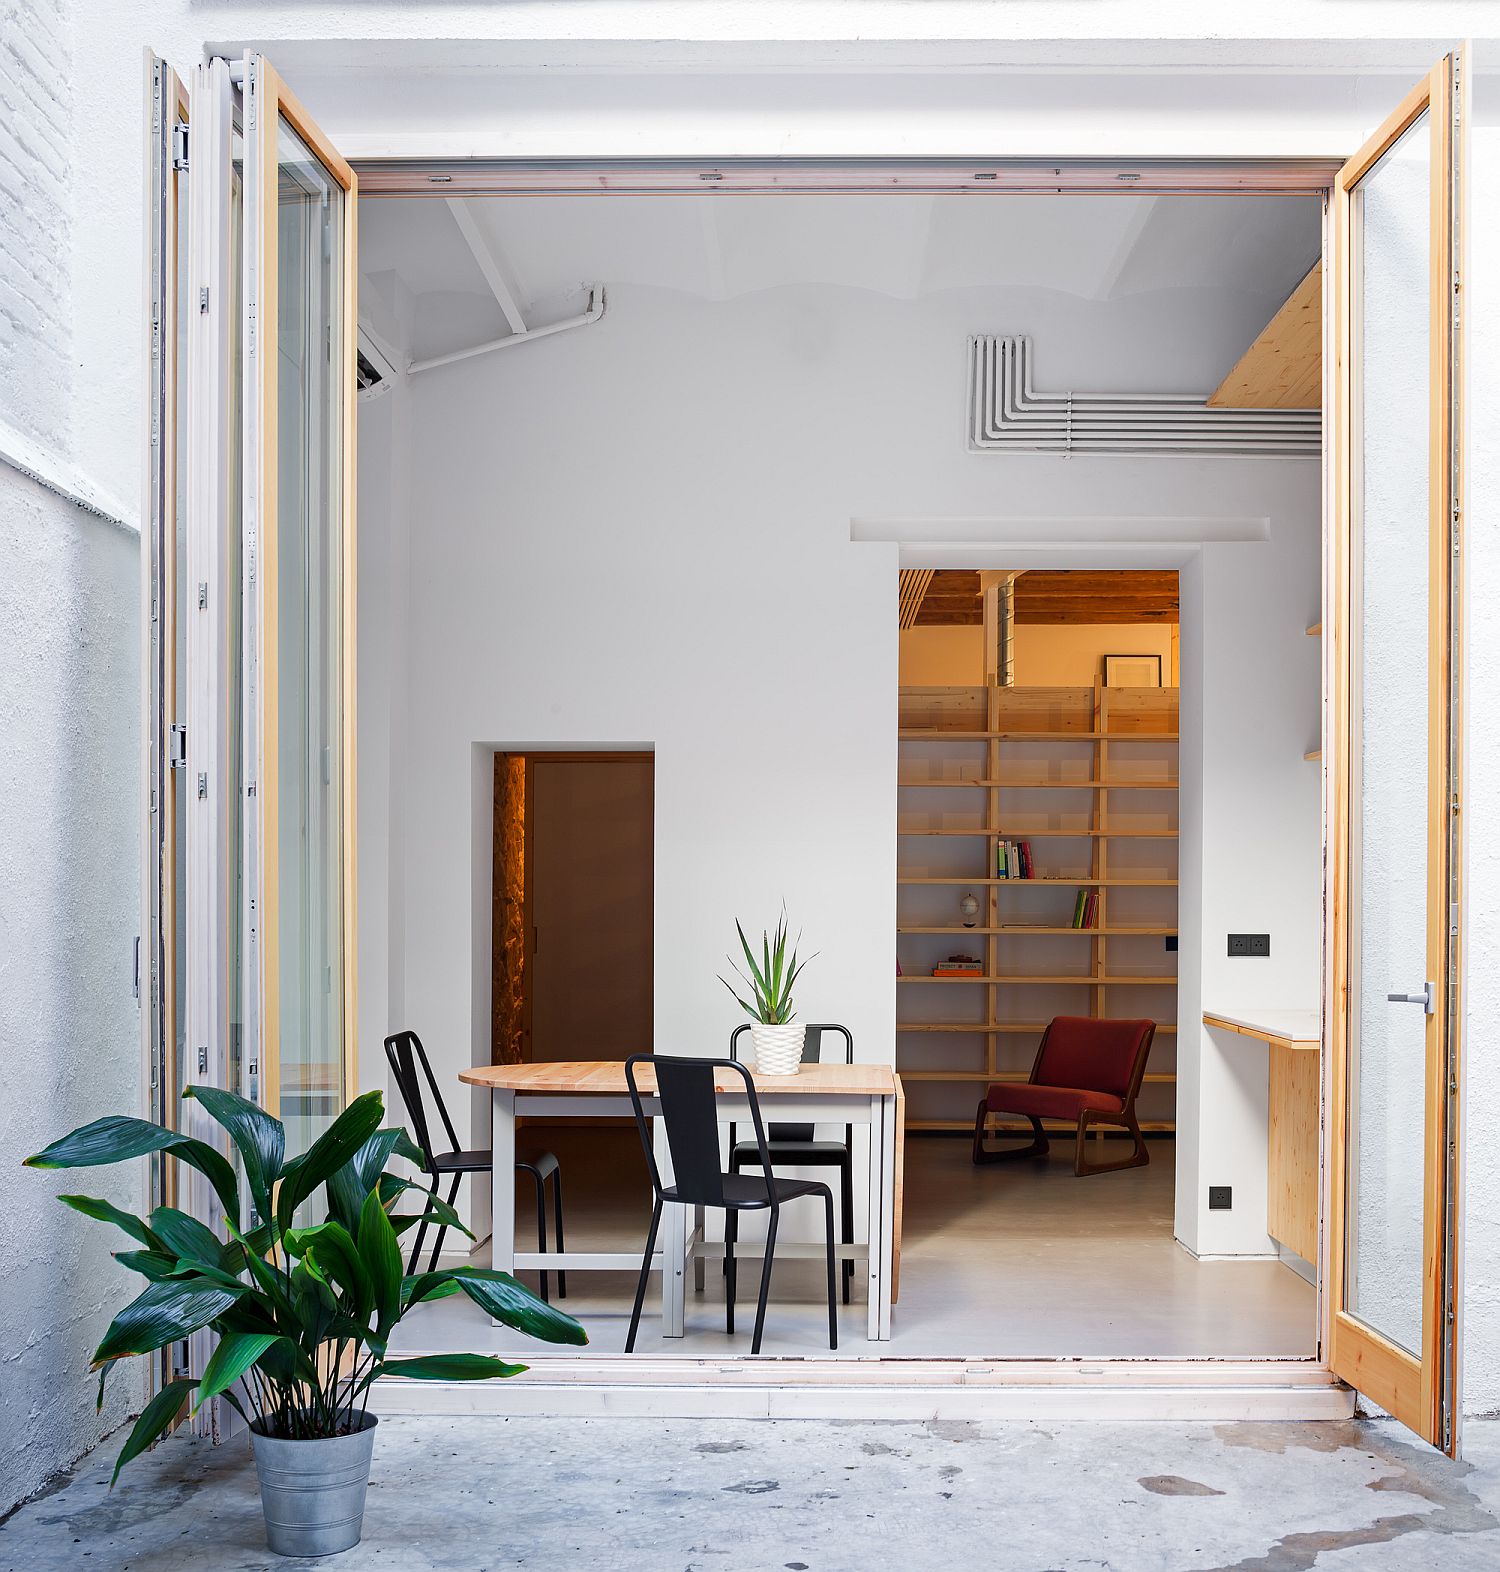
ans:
(490, 263)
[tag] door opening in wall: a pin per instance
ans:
(895, 428)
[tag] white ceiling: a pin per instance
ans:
(718, 246)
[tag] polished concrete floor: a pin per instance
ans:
(1015, 1261)
(651, 1495)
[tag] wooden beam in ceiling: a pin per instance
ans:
(914, 582)
(1283, 368)
(1063, 597)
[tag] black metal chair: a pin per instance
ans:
(406, 1056)
(688, 1097)
(792, 1145)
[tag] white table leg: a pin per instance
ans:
(887, 1210)
(698, 1259)
(874, 1222)
(674, 1232)
(503, 1182)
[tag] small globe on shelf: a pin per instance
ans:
(969, 907)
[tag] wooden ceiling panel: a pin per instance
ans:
(1283, 368)
(952, 598)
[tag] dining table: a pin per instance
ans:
(862, 1095)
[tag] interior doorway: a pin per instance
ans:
(1037, 922)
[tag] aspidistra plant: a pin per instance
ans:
(303, 1314)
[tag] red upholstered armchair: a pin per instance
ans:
(1086, 1070)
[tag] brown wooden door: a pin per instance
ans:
(590, 847)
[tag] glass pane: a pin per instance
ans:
(1391, 331)
(309, 545)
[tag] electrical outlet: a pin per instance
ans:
(1249, 944)
(1220, 1198)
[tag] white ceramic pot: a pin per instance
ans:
(778, 1049)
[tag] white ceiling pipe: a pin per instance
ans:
(593, 314)
(1006, 412)
(1164, 413)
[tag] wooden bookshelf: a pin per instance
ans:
(1000, 757)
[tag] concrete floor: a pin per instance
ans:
(807, 1496)
(1020, 1261)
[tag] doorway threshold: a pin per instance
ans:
(1219, 1391)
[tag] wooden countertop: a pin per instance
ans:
(607, 1079)
(1299, 1029)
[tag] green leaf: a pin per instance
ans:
(408, 1148)
(236, 1352)
(154, 1265)
(435, 1208)
(271, 1282)
(451, 1367)
(381, 1254)
(348, 1187)
(163, 1313)
(104, 1212)
(514, 1304)
(331, 1249)
(261, 1139)
(159, 1416)
(186, 1237)
(104, 1371)
(337, 1144)
(116, 1138)
(425, 1286)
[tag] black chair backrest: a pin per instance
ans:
(407, 1057)
(689, 1102)
(812, 1053)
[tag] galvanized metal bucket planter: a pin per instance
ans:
(313, 1492)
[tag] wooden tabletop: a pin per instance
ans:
(1299, 1029)
(604, 1078)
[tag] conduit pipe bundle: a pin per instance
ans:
(1007, 413)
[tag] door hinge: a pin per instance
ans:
(179, 146)
(177, 748)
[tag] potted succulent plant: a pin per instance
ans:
(777, 1037)
(303, 1309)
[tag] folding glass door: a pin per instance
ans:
(247, 962)
(1392, 1139)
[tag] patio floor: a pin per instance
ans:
(810, 1496)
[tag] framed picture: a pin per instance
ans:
(1132, 671)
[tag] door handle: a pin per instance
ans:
(1424, 998)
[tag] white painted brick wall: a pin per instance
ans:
(36, 341)
(69, 729)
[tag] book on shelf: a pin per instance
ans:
(1013, 860)
(1086, 909)
(959, 966)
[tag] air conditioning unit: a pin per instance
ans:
(375, 365)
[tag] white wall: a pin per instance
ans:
(639, 533)
(69, 805)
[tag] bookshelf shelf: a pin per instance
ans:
(1057, 979)
(1042, 882)
(1002, 1028)
(994, 743)
(1020, 785)
(1061, 734)
(1024, 930)
(1023, 834)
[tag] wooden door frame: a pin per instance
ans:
(461, 176)
(268, 101)
(1419, 1391)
